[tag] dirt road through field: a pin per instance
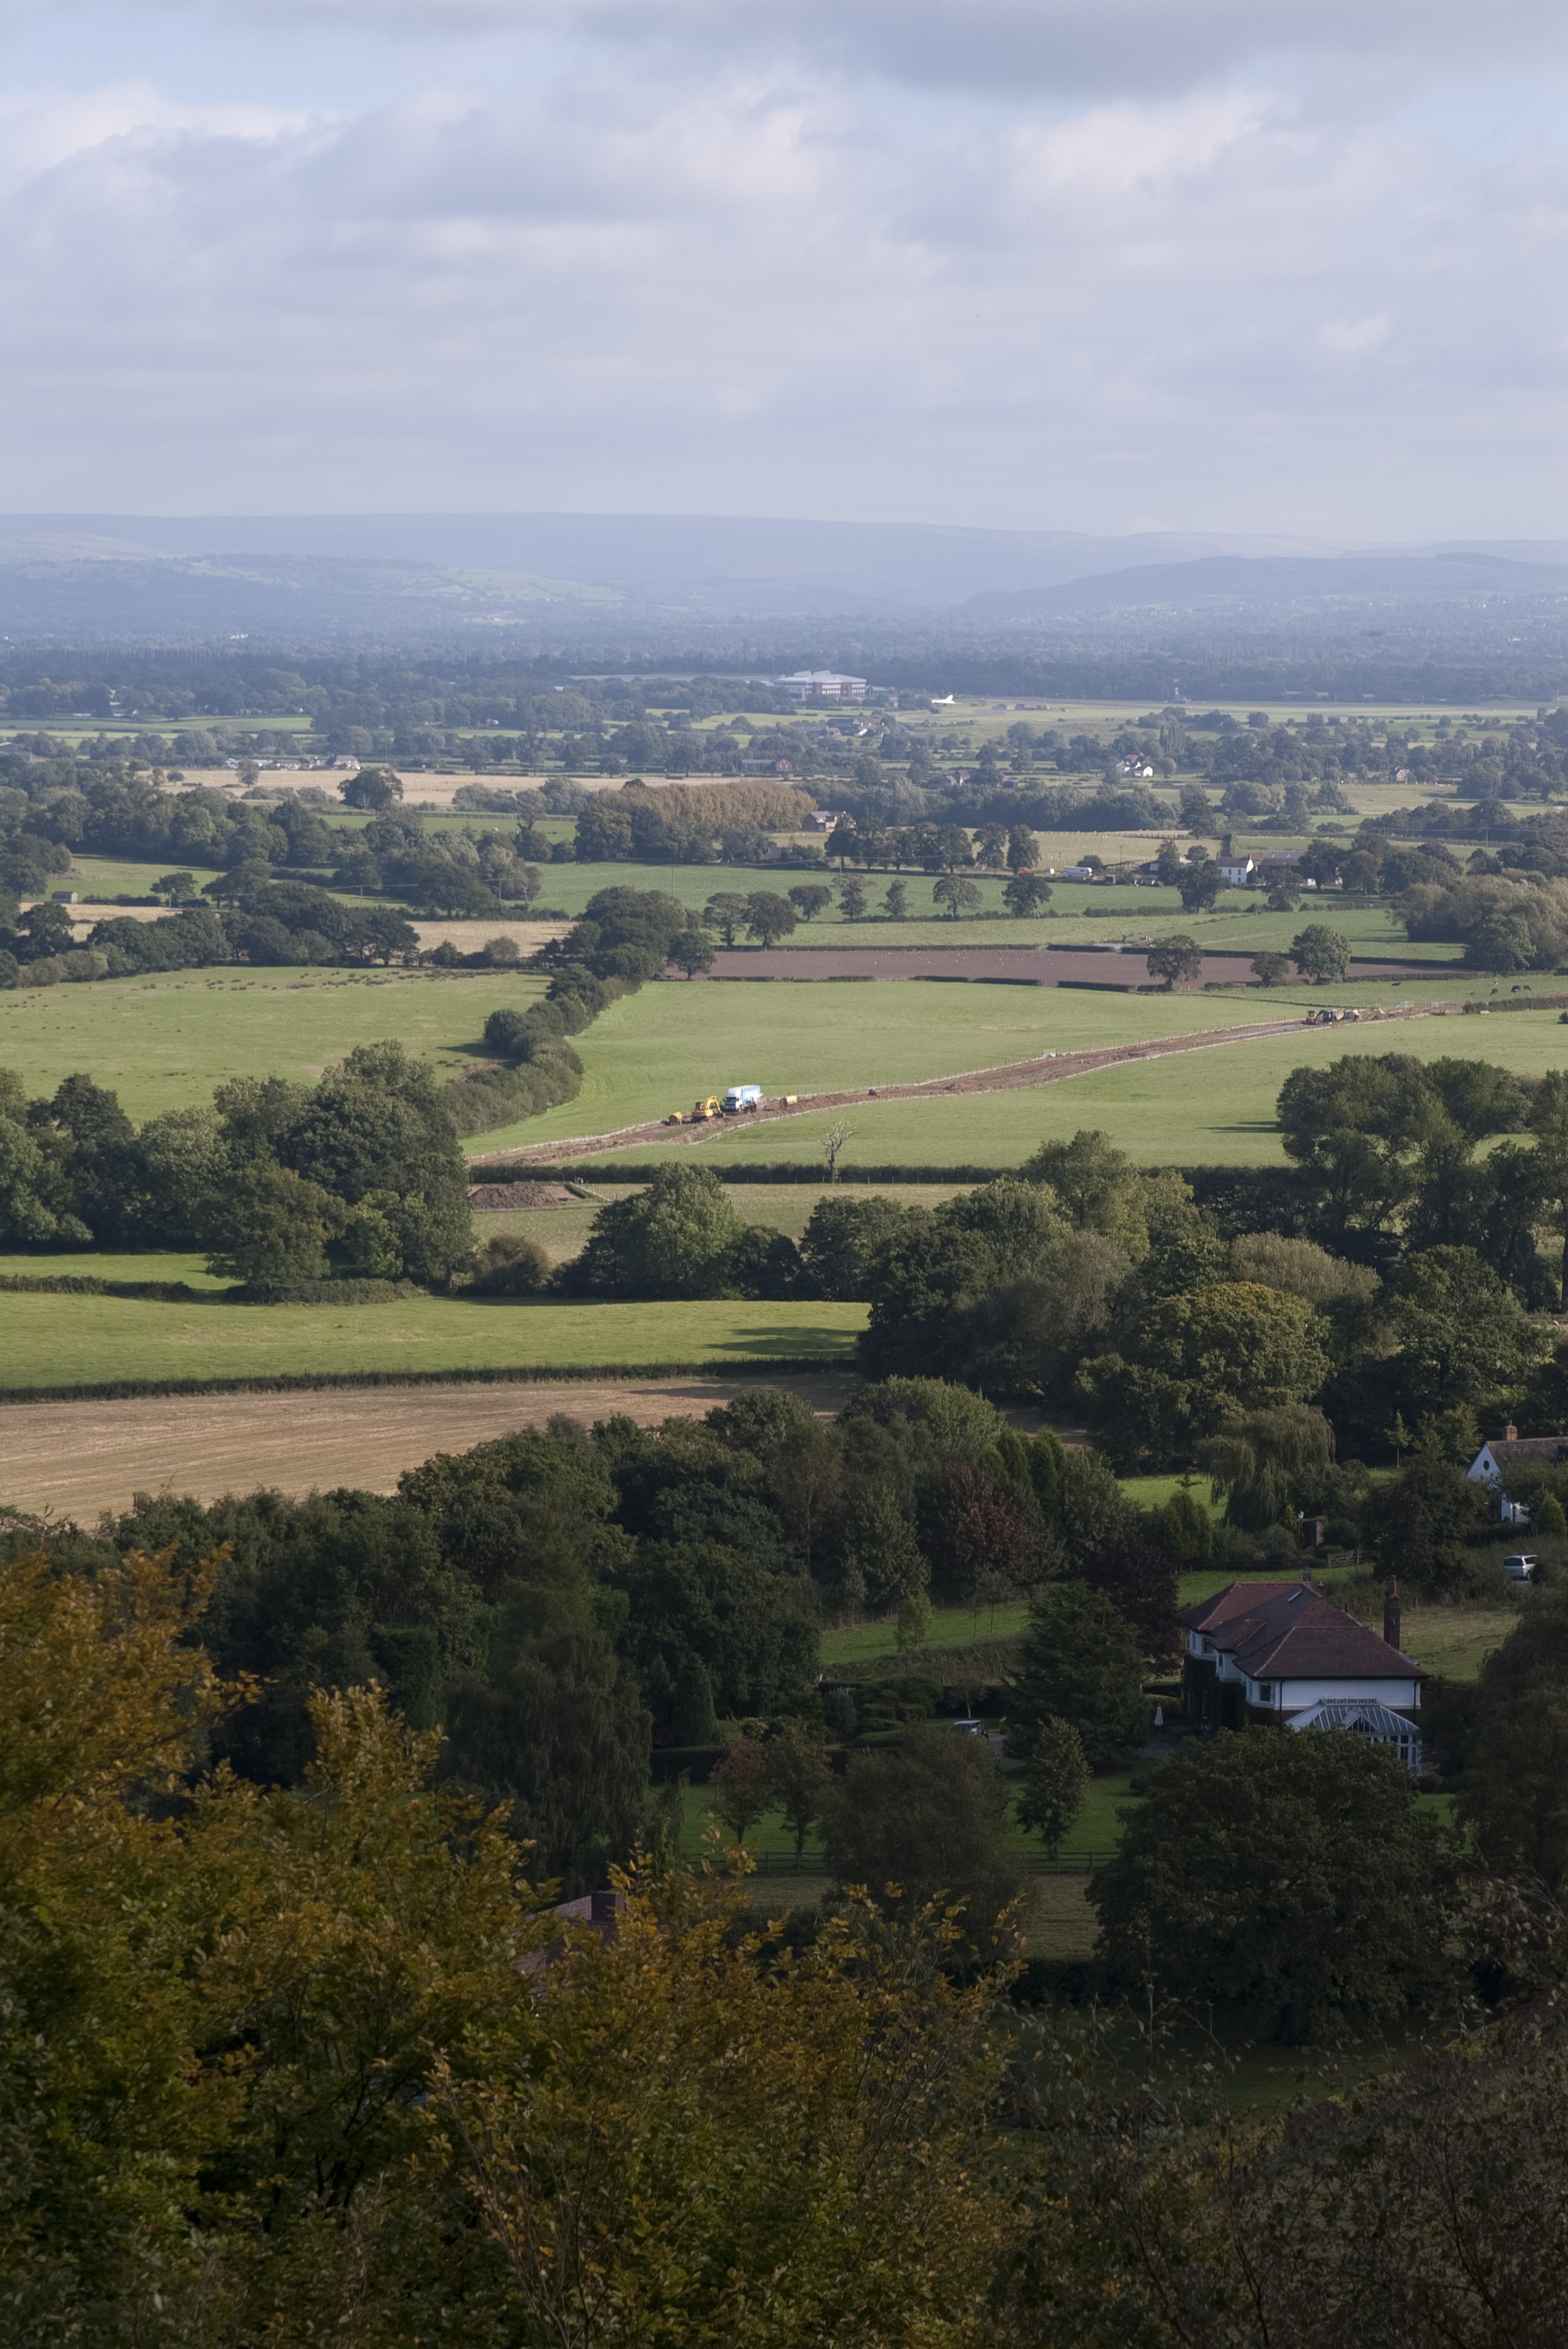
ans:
(1042, 1069)
(75, 1459)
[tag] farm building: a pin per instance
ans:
(1280, 1655)
(1495, 1461)
(823, 685)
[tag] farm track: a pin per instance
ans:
(1009, 1076)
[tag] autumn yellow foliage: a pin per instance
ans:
(277, 2066)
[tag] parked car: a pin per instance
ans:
(1521, 1567)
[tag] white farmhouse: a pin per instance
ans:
(1495, 1461)
(1280, 1655)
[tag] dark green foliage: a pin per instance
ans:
(930, 1818)
(753, 1631)
(842, 1237)
(271, 1226)
(1268, 1462)
(1463, 1337)
(35, 1209)
(1291, 1873)
(374, 1133)
(323, 1593)
(673, 1239)
(1192, 1360)
(934, 1281)
(623, 934)
(1185, 1530)
(692, 1719)
(1090, 1510)
(556, 1721)
(1140, 1581)
(1055, 1781)
(981, 1546)
(1515, 1798)
(1082, 1664)
(510, 1266)
(1175, 961)
(1420, 1521)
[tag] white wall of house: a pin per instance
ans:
(1295, 1696)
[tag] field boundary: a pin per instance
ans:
(528, 1374)
(1006, 1076)
(1032, 1863)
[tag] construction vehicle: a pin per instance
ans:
(741, 1098)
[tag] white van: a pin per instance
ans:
(1521, 1567)
(741, 1097)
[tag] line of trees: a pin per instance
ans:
(358, 1176)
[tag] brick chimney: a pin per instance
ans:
(1391, 1611)
(1510, 1434)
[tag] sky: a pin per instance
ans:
(1248, 266)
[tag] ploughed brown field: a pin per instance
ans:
(75, 1459)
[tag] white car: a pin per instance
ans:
(1521, 1567)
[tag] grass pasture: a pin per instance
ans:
(164, 1041)
(1187, 1109)
(657, 1050)
(60, 1342)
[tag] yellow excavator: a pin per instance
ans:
(697, 1114)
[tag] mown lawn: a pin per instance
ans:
(63, 1341)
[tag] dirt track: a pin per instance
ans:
(75, 1459)
(1046, 1070)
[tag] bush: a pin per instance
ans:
(510, 1266)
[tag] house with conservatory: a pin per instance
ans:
(1280, 1655)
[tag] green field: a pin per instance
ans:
(562, 1232)
(168, 1265)
(1077, 911)
(96, 879)
(1096, 1829)
(656, 1051)
(1212, 1109)
(65, 1342)
(164, 1041)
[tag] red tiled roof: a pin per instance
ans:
(1288, 1630)
(1236, 1598)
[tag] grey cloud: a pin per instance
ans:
(736, 294)
(1064, 45)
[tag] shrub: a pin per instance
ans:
(510, 1266)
